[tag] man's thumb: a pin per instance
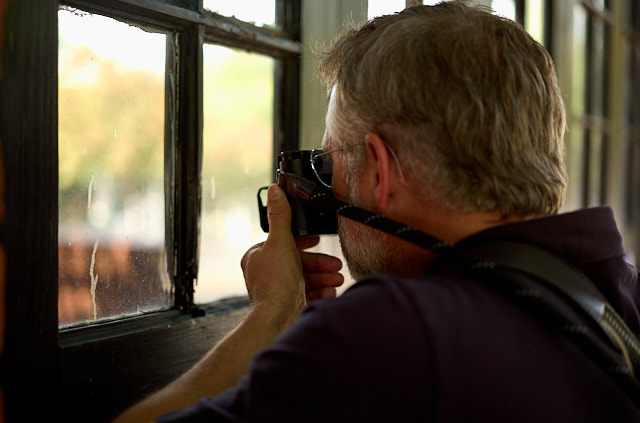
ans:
(278, 211)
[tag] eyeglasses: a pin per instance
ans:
(322, 163)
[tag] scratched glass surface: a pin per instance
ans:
(237, 160)
(259, 12)
(111, 199)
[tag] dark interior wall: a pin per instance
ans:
(28, 129)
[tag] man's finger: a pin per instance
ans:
(321, 293)
(318, 262)
(318, 280)
(278, 213)
(307, 241)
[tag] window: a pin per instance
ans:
(602, 150)
(105, 193)
(237, 159)
(597, 63)
(111, 204)
(589, 108)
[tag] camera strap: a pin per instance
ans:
(492, 265)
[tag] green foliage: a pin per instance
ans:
(111, 122)
(238, 129)
(111, 128)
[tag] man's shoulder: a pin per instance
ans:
(399, 306)
(394, 292)
(378, 313)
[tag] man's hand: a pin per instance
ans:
(278, 274)
(280, 277)
(321, 274)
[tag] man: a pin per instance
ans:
(450, 120)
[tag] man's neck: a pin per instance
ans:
(449, 226)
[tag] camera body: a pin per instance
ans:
(305, 220)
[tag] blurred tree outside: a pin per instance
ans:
(238, 127)
(238, 157)
(111, 122)
(111, 166)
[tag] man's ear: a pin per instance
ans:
(385, 177)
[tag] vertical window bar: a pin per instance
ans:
(604, 155)
(287, 81)
(633, 179)
(633, 117)
(170, 110)
(520, 11)
(188, 165)
(586, 161)
(29, 134)
(605, 111)
(548, 26)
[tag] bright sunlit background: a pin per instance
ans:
(260, 12)
(110, 201)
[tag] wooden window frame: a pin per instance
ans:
(91, 373)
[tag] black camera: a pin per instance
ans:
(305, 219)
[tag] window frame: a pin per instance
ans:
(91, 373)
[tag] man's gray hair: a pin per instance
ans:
(469, 101)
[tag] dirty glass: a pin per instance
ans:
(237, 160)
(258, 12)
(111, 198)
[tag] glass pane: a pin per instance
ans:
(384, 7)
(237, 160)
(634, 14)
(575, 167)
(596, 161)
(111, 144)
(534, 19)
(578, 80)
(634, 87)
(259, 12)
(633, 175)
(598, 67)
(599, 4)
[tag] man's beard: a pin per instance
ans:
(366, 250)
(361, 248)
(369, 251)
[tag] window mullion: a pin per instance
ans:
(28, 140)
(287, 81)
(187, 156)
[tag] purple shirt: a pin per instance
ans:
(441, 347)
